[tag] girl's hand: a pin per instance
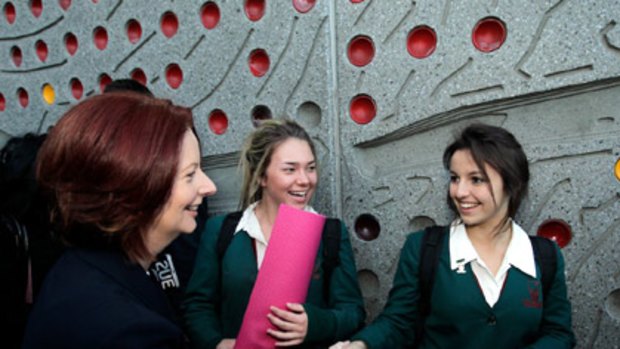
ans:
(226, 344)
(292, 324)
(349, 345)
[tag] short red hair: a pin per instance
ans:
(110, 163)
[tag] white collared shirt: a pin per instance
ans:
(519, 254)
(250, 224)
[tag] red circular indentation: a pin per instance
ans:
(218, 122)
(367, 227)
(22, 96)
(134, 31)
(421, 41)
(356, 1)
(489, 34)
(36, 7)
(9, 12)
(254, 9)
(210, 15)
(2, 102)
(138, 75)
(556, 230)
(16, 56)
(104, 80)
(100, 37)
(258, 62)
(71, 43)
(260, 113)
(169, 24)
(41, 48)
(77, 90)
(303, 6)
(361, 50)
(174, 75)
(363, 109)
(64, 4)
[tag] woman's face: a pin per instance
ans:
(190, 186)
(291, 176)
(471, 193)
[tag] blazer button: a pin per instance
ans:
(492, 320)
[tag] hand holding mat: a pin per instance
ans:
(285, 274)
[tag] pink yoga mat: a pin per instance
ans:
(285, 274)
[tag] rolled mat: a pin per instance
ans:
(284, 276)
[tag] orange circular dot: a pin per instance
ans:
(49, 95)
(260, 113)
(77, 89)
(367, 227)
(258, 62)
(139, 75)
(489, 34)
(16, 56)
(421, 41)
(303, 6)
(174, 75)
(361, 50)
(134, 31)
(617, 169)
(9, 12)
(556, 230)
(71, 43)
(218, 122)
(210, 15)
(254, 9)
(362, 109)
(100, 37)
(2, 102)
(169, 24)
(22, 96)
(64, 4)
(36, 7)
(104, 80)
(41, 49)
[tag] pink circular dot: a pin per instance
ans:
(362, 109)
(210, 15)
(77, 89)
(258, 62)
(2, 102)
(100, 37)
(361, 50)
(134, 31)
(36, 7)
(16, 56)
(421, 41)
(9, 12)
(64, 4)
(174, 75)
(22, 96)
(104, 80)
(255, 9)
(169, 24)
(138, 75)
(303, 6)
(556, 230)
(71, 43)
(218, 122)
(41, 49)
(489, 34)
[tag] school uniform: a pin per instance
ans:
(219, 290)
(467, 309)
(98, 299)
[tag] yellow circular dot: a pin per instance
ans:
(49, 95)
(617, 169)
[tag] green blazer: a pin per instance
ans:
(461, 318)
(219, 291)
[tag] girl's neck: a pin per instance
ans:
(496, 234)
(266, 213)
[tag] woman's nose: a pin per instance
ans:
(207, 187)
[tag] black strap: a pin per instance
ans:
(544, 253)
(226, 233)
(430, 250)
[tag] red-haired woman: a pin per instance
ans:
(124, 173)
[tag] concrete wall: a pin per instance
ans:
(554, 82)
